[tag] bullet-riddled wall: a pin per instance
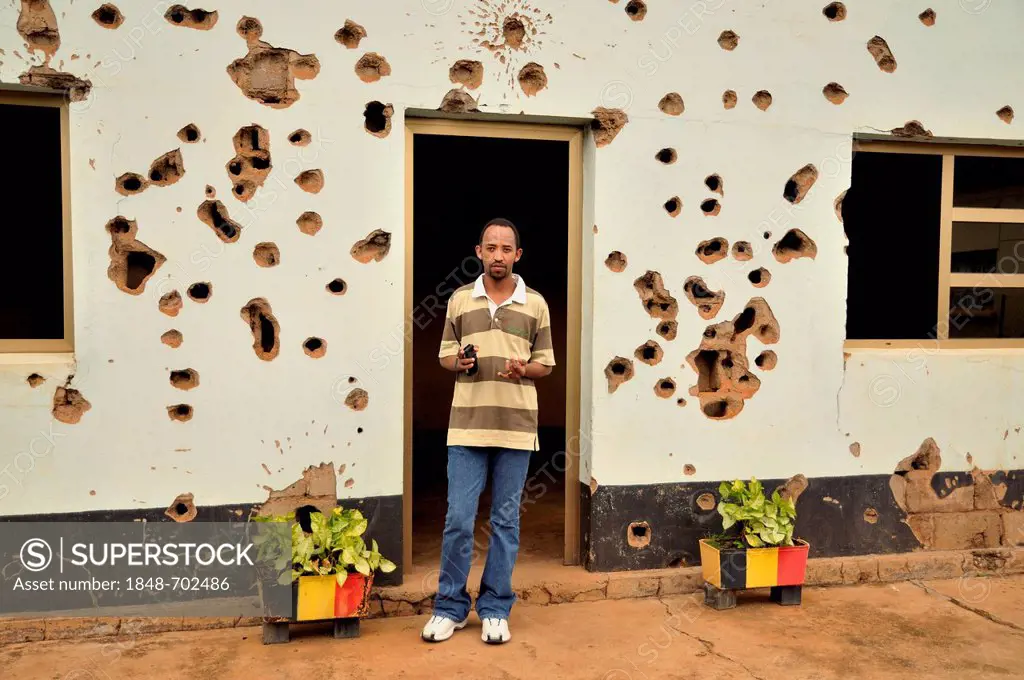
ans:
(236, 197)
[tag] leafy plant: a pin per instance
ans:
(334, 545)
(762, 521)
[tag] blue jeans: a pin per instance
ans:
(468, 468)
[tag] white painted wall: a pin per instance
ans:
(952, 76)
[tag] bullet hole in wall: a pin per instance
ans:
(834, 11)
(912, 128)
(728, 40)
(377, 118)
(132, 262)
(189, 134)
(715, 183)
(618, 371)
(170, 303)
(655, 298)
(665, 388)
(883, 56)
(706, 502)
(199, 19)
(213, 214)
(616, 261)
(649, 353)
(606, 125)
(108, 16)
(668, 329)
(68, 404)
(357, 400)
(467, 72)
(264, 327)
(315, 347)
(182, 508)
(795, 244)
(636, 10)
(707, 302)
(172, 338)
(309, 223)
(350, 34)
(185, 378)
(337, 287)
(673, 206)
(672, 104)
(639, 535)
(37, 24)
(927, 17)
(35, 380)
(200, 291)
(870, 515)
(532, 79)
(759, 277)
(762, 99)
(130, 183)
(74, 89)
(729, 99)
(374, 247)
(251, 165)
(267, 74)
(766, 360)
(835, 93)
(310, 181)
(800, 183)
(1005, 114)
(667, 156)
(742, 251)
(266, 254)
(689, 470)
(513, 30)
(181, 413)
(211, 192)
(300, 137)
(167, 169)
(710, 207)
(371, 67)
(713, 250)
(766, 235)
(458, 101)
(855, 449)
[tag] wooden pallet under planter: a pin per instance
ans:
(726, 571)
(319, 599)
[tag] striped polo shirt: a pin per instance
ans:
(488, 410)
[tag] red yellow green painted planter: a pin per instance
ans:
(320, 598)
(736, 569)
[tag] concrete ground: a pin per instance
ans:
(972, 627)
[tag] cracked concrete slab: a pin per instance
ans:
(866, 631)
(997, 599)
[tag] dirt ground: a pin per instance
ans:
(966, 628)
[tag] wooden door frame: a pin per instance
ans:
(506, 130)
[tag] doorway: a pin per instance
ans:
(460, 174)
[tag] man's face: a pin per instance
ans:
(498, 252)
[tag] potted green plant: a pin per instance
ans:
(331, 573)
(757, 548)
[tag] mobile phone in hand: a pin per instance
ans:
(470, 353)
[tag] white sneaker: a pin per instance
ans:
(440, 628)
(495, 631)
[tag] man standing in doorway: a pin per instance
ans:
(492, 429)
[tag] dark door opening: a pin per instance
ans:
(459, 183)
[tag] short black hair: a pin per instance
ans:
(500, 222)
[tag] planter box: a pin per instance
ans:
(725, 571)
(318, 599)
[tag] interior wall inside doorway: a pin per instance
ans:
(460, 183)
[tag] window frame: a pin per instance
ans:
(24, 96)
(948, 150)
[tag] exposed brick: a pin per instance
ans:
(78, 628)
(860, 569)
(376, 607)
(249, 622)
(921, 497)
(987, 496)
(568, 592)
(978, 529)
(987, 562)
(208, 622)
(145, 625)
(682, 581)
(935, 565)
(398, 608)
(632, 586)
(826, 571)
(1015, 565)
(923, 528)
(893, 568)
(1013, 528)
(22, 630)
(535, 595)
(591, 595)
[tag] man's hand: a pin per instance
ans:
(514, 369)
(461, 363)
